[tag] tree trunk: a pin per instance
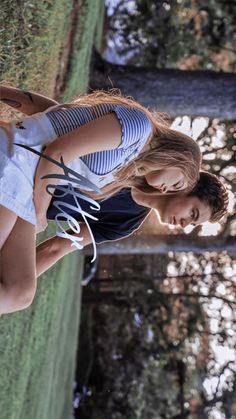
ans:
(177, 92)
(162, 244)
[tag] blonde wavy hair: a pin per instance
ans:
(168, 148)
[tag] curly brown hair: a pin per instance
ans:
(213, 193)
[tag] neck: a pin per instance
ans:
(148, 200)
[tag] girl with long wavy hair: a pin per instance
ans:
(111, 140)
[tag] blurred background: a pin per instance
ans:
(162, 323)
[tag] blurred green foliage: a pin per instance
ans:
(152, 352)
(185, 34)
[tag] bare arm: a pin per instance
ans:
(53, 249)
(25, 102)
(103, 133)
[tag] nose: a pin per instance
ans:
(163, 188)
(184, 222)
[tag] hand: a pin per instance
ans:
(40, 213)
(42, 223)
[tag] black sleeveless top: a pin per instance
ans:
(118, 217)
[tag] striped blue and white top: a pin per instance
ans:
(135, 130)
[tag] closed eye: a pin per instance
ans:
(178, 185)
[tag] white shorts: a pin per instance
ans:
(17, 181)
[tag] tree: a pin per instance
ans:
(157, 349)
(175, 34)
(177, 92)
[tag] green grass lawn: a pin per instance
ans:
(33, 35)
(38, 345)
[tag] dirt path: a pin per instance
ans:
(67, 51)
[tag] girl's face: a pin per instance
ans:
(170, 179)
